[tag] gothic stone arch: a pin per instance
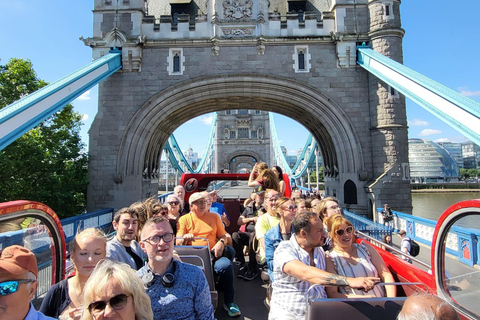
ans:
(120, 180)
(242, 153)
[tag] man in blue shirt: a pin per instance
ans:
(18, 283)
(218, 208)
(177, 290)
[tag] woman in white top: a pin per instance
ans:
(350, 259)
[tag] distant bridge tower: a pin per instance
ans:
(242, 138)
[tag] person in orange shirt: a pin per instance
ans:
(201, 223)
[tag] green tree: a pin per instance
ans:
(47, 164)
(313, 175)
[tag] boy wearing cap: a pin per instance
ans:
(18, 280)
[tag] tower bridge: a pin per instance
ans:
(249, 55)
(295, 58)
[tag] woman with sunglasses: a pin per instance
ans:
(64, 300)
(114, 291)
(350, 259)
(173, 204)
(286, 209)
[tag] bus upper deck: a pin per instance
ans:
(38, 228)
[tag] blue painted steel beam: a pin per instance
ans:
(458, 111)
(24, 114)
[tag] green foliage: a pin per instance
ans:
(469, 173)
(47, 164)
(313, 175)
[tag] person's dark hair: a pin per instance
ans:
(308, 202)
(124, 210)
(303, 221)
(280, 173)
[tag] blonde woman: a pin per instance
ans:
(353, 260)
(115, 292)
(64, 300)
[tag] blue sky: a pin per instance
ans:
(442, 42)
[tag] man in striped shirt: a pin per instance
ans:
(300, 263)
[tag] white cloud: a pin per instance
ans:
(441, 140)
(429, 132)
(207, 120)
(84, 117)
(85, 96)
(418, 122)
(468, 93)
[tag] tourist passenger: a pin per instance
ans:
(355, 260)
(18, 283)
(64, 299)
(174, 214)
(201, 223)
(278, 171)
(258, 168)
(208, 199)
(266, 221)
(296, 194)
(113, 291)
(179, 191)
(177, 290)
(301, 206)
(245, 237)
(286, 209)
(300, 263)
(326, 208)
(219, 209)
(425, 306)
(405, 245)
(123, 247)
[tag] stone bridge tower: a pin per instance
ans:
(182, 59)
(242, 138)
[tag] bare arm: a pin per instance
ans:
(332, 292)
(382, 270)
(317, 276)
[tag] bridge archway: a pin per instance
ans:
(245, 156)
(144, 137)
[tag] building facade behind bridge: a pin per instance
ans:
(185, 58)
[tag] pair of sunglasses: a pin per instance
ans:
(9, 287)
(340, 232)
(173, 203)
(291, 208)
(116, 303)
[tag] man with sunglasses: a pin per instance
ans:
(300, 263)
(177, 290)
(18, 283)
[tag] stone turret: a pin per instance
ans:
(388, 112)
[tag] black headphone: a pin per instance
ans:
(168, 278)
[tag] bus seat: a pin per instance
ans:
(358, 309)
(200, 256)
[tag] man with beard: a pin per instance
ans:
(300, 263)
(123, 247)
(177, 290)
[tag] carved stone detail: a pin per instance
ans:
(237, 9)
(238, 32)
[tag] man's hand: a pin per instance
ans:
(225, 218)
(218, 249)
(363, 283)
(188, 237)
